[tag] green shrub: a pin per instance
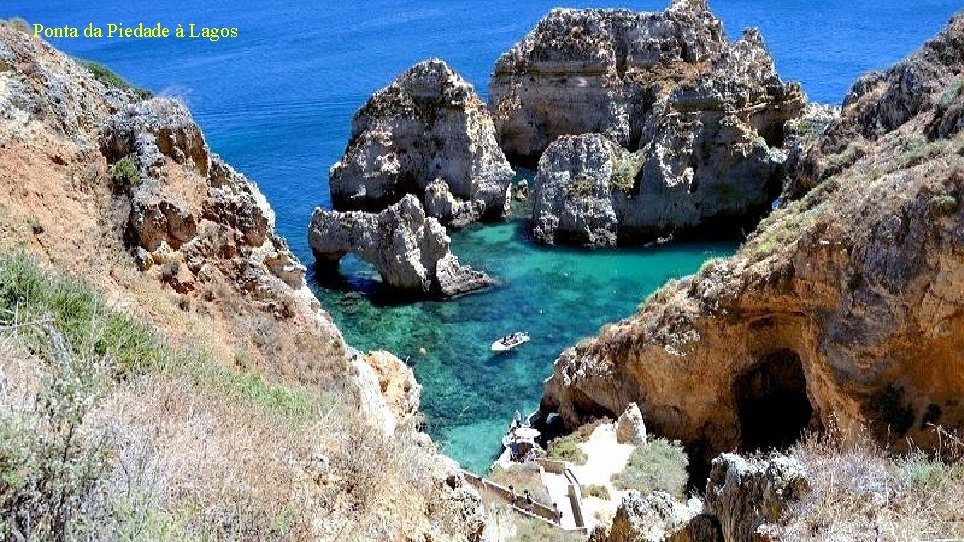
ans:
(943, 205)
(124, 172)
(626, 169)
(596, 490)
(106, 76)
(49, 466)
(16, 23)
(657, 465)
(567, 449)
(951, 95)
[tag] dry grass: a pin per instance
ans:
(861, 491)
(108, 433)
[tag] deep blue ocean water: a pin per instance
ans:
(277, 102)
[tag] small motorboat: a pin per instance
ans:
(510, 341)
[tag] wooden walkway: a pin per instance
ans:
(560, 486)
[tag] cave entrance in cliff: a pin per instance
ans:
(772, 402)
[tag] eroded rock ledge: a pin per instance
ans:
(429, 134)
(845, 305)
(703, 119)
(409, 249)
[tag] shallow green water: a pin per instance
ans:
(557, 295)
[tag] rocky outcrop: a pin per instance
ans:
(658, 517)
(828, 308)
(927, 83)
(408, 249)
(705, 118)
(746, 501)
(630, 428)
(390, 392)
(427, 134)
(574, 189)
(597, 71)
(125, 194)
(747, 495)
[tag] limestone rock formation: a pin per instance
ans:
(745, 502)
(428, 134)
(125, 194)
(392, 393)
(630, 428)
(409, 249)
(746, 495)
(573, 191)
(830, 306)
(658, 517)
(705, 118)
(596, 71)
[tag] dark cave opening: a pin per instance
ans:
(772, 402)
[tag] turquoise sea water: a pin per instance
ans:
(557, 295)
(277, 102)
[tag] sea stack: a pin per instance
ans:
(703, 118)
(409, 249)
(430, 135)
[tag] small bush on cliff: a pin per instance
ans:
(596, 490)
(567, 449)
(16, 23)
(124, 173)
(106, 76)
(943, 205)
(659, 464)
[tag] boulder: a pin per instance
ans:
(745, 495)
(428, 134)
(658, 517)
(630, 428)
(409, 249)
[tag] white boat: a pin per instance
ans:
(510, 341)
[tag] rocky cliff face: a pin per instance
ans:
(597, 71)
(574, 189)
(847, 303)
(409, 249)
(126, 194)
(746, 501)
(704, 117)
(427, 134)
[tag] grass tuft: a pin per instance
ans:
(106, 76)
(658, 465)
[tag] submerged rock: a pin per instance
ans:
(428, 134)
(703, 119)
(409, 249)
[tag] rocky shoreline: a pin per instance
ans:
(843, 311)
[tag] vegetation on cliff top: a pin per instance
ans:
(106, 431)
(106, 76)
